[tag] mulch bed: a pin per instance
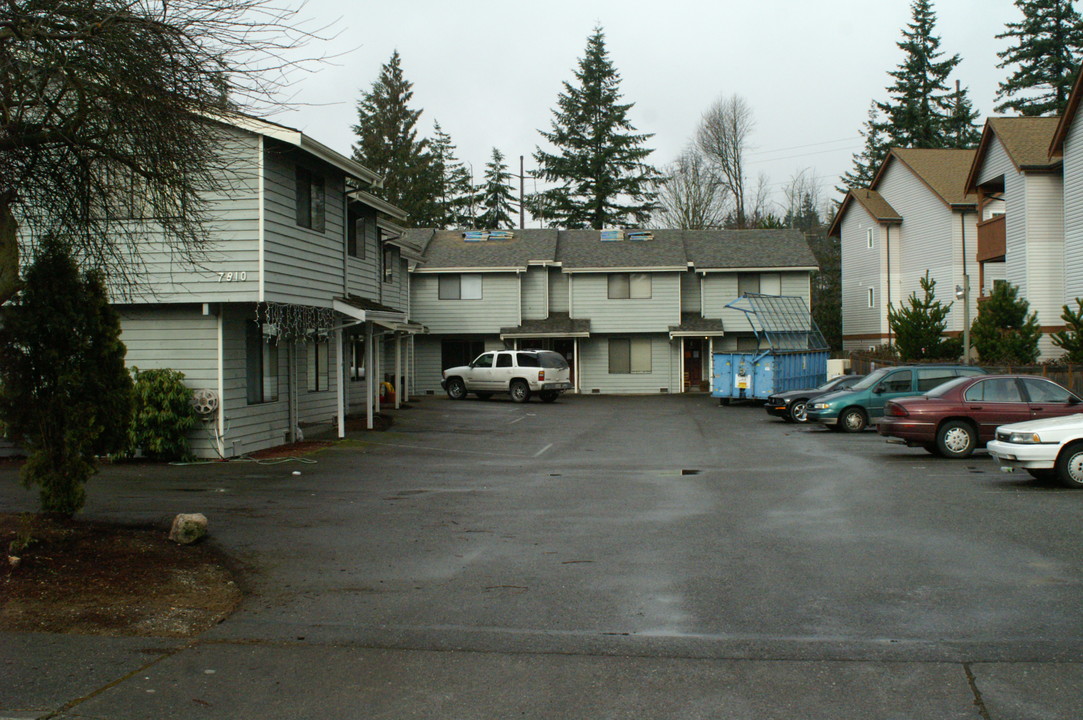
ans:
(91, 578)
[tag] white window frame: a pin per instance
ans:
(629, 286)
(870, 238)
(467, 286)
(640, 355)
(872, 297)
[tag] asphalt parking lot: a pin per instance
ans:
(600, 557)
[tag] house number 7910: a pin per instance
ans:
(232, 276)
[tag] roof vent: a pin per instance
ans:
(612, 235)
(501, 235)
(475, 236)
(640, 235)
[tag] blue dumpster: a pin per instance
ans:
(796, 356)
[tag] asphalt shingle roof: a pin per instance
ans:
(449, 249)
(725, 249)
(945, 171)
(1027, 139)
(558, 323)
(694, 322)
(580, 249)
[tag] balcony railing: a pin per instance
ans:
(991, 242)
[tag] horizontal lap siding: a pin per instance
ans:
(249, 427)
(997, 164)
(364, 271)
(1045, 246)
(691, 301)
(928, 240)
(558, 291)
(535, 290)
(1073, 213)
(166, 275)
(657, 313)
(427, 368)
(718, 290)
(498, 307)
(302, 266)
(175, 337)
(594, 367)
(394, 293)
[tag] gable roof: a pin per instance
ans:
(1056, 146)
(735, 249)
(874, 204)
(292, 136)
(943, 170)
(446, 250)
(1026, 140)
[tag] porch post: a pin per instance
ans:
(341, 383)
(398, 370)
(408, 369)
(368, 374)
(680, 365)
(379, 379)
(575, 359)
(291, 379)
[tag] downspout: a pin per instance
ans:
(260, 220)
(887, 248)
(966, 293)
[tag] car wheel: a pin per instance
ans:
(484, 396)
(520, 391)
(853, 420)
(548, 395)
(956, 439)
(1070, 466)
(799, 411)
(456, 389)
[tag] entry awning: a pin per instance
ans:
(557, 325)
(695, 325)
(365, 310)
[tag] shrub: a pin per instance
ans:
(163, 415)
(1004, 331)
(1071, 338)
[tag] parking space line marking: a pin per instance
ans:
(543, 449)
(521, 417)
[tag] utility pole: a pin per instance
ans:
(522, 181)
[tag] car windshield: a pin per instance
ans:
(945, 388)
(835, 382)
(871, 379)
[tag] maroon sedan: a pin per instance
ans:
(959, 416)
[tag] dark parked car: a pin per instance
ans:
(961, 415)
(792, 405)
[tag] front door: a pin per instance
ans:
(566, 348)
(693, 364)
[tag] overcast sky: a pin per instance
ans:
(490, 71)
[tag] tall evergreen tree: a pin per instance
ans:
(868, 161)
(456, 189)
(922, 111)
(1005, 330)
(920, 98)
(1045, 53)
(387, 143)
(600, 170)
(495, 201)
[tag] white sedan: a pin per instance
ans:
(1048, 448)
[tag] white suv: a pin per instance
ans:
(518, 372)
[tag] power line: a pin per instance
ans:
(801, 147)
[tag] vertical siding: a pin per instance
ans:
(498, 307)
(590, 299)
(558, 290)
(302, 266)
(1045, 250)
(1073, 212)
(594, 367)
(535, 288)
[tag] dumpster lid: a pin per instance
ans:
(783, 320)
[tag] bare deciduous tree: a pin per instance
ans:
(723, 138)
(690, 197)
(105, 104)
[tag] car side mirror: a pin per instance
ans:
(879, 389)
(472, 366)
(1073, 400)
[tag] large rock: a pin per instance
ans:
(188, 527)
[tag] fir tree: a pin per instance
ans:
(961, 129)
(456, 193)
(64, 392)
(1045, 53)
(387, 143)
(600, 170)
(868, 161)
(495, 201)
(1004, 332)
(920, 99)
(1071, 338)
(919, 324)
